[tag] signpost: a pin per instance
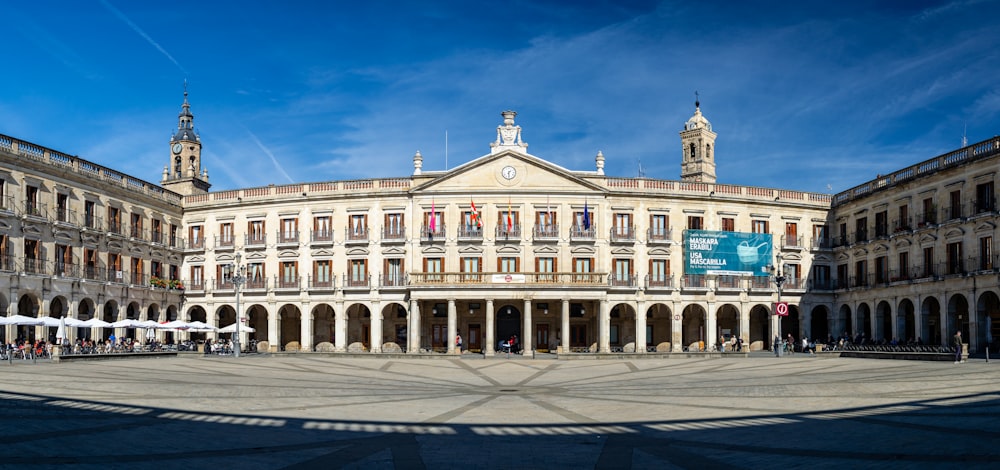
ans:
(781, 309)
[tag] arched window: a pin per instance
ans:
(708, 152)
(692, 150)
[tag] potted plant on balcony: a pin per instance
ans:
(176, 284)
(157, 282)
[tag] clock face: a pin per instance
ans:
(177, 148)
(508, 172)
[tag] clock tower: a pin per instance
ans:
(697, 147)
(184, 175)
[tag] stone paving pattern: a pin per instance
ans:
(319, 411)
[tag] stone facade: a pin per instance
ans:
(505, 244)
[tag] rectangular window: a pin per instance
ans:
(728, 224)
(821, 277)
(508, 222)
(842, 276)
(156, 230)
(986, 253)
(861, 229)
(903, 220)
(31, 205)
(359, 227)
(623, 226)
(760, 226)
(197, 277)
(62, 208)
(64, 260)
(985, 198)
(434, 265)
(955, 265)
(545, 219)
(255, 233)
(195, 236)
(791, 234)
(322, 273)
(622, 274)
(508, 264)
(903, 261)
(434, 223)
(881, 269)
(659, 272)
(256, 278)
(359, 272)
(90, 214)
(882, 224)
(955, 199)
(930, 214)
(659, 227)
(289, 232)
(393, 226)
(695, 222)
(929, 261)
(394, 274)
(136, 220)
(226, 234)
(545, 265)
(114, 220)
(471, 267)
(289, 274)
(861, 273)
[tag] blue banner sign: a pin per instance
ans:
(727, 253)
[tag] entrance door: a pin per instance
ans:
(578, 336)
(508, 325)
(475, 343)
(542, 337)
(439, 335)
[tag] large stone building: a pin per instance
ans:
(506, 244)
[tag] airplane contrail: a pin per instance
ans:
(271, 155)
(142, 33)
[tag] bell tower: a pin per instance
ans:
(697, 147)
(184, 174)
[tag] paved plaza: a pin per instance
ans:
(317, 411)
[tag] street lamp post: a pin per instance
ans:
(238, 280)
(778, 276)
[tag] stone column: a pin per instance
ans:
(376, 328)
(412, 333)
(745, 324)
(273, 323)
(564, 331)
(528, 340)
(305, 329)
(973, 319)
(452, 327)
(640, 326)
(604, 327)
(491, 339)
(711, 326)
(677, 328)
(339, 327)
(946, 330)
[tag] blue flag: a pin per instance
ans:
(586, 216)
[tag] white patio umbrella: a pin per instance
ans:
(61, 332)
(200, 326)
(127, 323)
(231, 328)
(20, 320)
(94, 323)
(176, 325)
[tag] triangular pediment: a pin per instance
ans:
(822, 258)
(256, 256)
(927, 238)
(288, 254)
(196, 259)
(903, 242)
(986, 227)
(394, 250)
(860, 253)
(954, 233)
(322, 252)
(880, 248)
(546, 250)
(507, 172)
(64, 235)
(623, 251)
(474, 250)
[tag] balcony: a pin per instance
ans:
(321, 237)
(659, 282)
(356, 282)
(389, 281)
(34, 210)
(394, 234)
(92, 222)
(623, 234)
(7, 263)
(324, 282)
(65, 216)
(196, 244)
(138, 234)
(545, 233)
(694, 282)
(901, 226)
(952, 213)
(7, 204)
(470, 233)
(431, 236)
(35, 266)
(356, 235)
(578, 233)
(821, 243)
(791, 242)
(255, 241)
(255, 284)
(223, 286)
(502, 232)
(727, 283)
(288, 238)
(197, 285)
(225, 242)
(626, 281)
(499, 279)
(821, 285)
(287, 283)
(984, 206)
(156, 237)
(659, 236)
(115, 228)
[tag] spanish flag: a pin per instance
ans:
(510, 219)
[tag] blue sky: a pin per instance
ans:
(814, 96)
